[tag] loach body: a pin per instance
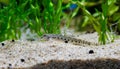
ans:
(67, 39)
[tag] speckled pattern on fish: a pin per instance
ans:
(68, 39)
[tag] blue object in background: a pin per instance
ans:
(73, 6)
(70, 8)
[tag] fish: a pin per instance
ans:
(68, 39)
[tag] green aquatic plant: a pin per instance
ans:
(99, 19)
(44, 17)
(41, 17)
(51, 16)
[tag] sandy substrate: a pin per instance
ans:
(54, 54)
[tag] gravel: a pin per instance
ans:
(54, 54)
